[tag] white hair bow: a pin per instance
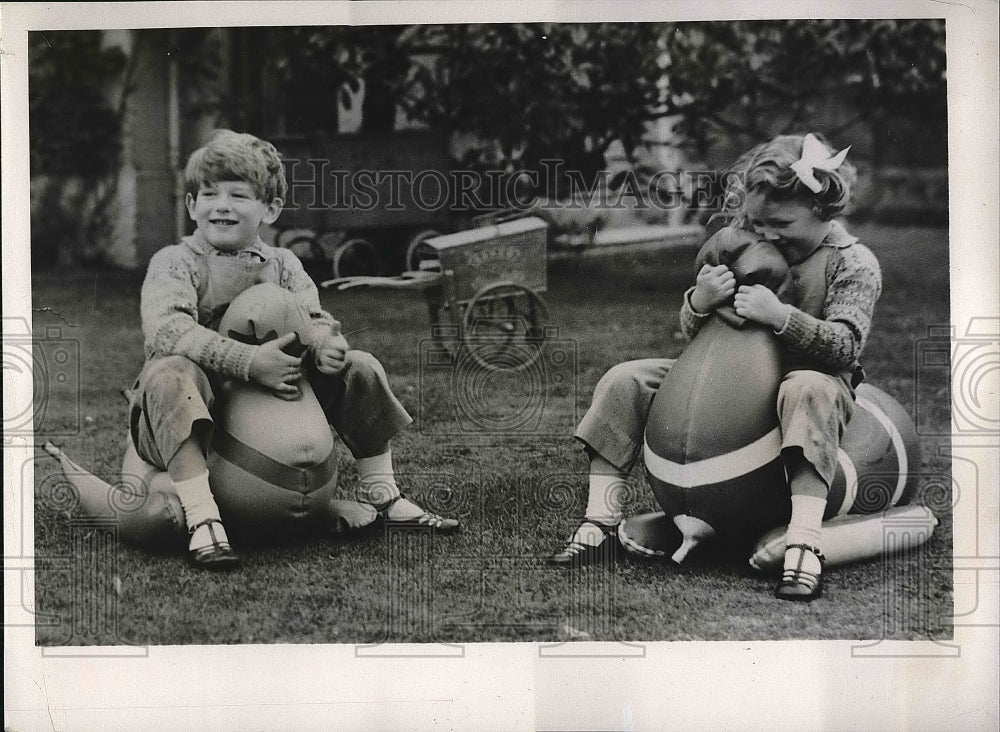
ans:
(815, 157)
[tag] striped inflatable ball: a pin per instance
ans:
(877, 458)
(272, 464)
(877, 461)
(713, 440)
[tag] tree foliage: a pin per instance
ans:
(72, 127)
(538, 91)
(758, 78)
(314, 72)
(530, 92)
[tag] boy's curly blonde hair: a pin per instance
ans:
(232, 156)
(767, 168)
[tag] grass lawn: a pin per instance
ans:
(517, 489)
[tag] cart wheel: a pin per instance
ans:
(356, 256)
(305, 247)
(504, 326)
(311, 253)
(417, 250)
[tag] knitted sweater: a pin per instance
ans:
(183, 297)
(853, 285)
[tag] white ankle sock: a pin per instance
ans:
(604, 498)
(606, 483)
(196, 499)
(804, 528)
(807, 519)
(378, 484)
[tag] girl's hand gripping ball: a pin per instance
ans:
(714, 286)
(759, 304)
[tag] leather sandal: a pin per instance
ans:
(440, 524)
(797, 584)
(576, 554)
(217, 554)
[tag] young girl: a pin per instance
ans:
(792, 188)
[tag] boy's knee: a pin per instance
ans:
(172, 376)
(361, 364)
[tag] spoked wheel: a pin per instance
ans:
(356, 256)
(504, 326)
(311, 253)
(417, 250)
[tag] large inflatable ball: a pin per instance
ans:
(878, 457)
(272, 464)
(273, 467)
(143, 502)
(844, 539)
(854, 537)
(713, 441)
(876, 467)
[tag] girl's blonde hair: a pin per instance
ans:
(767, 169)
(232, 156)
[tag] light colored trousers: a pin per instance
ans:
(813, 408)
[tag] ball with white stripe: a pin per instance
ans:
(878, 457)
(877, 461)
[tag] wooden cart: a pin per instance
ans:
(483, 289)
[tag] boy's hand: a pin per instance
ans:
(714, 286)
(759, 304)
(276, 370)
(329, 353)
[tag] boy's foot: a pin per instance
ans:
(209, 547)
(401, 510)
(801, 580)
(591, 543)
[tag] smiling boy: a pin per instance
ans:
(235, 185)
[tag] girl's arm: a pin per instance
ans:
(854, 286)
(690, 319)
(715, 283)
(168, 306)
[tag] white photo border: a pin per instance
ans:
(776, 685)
